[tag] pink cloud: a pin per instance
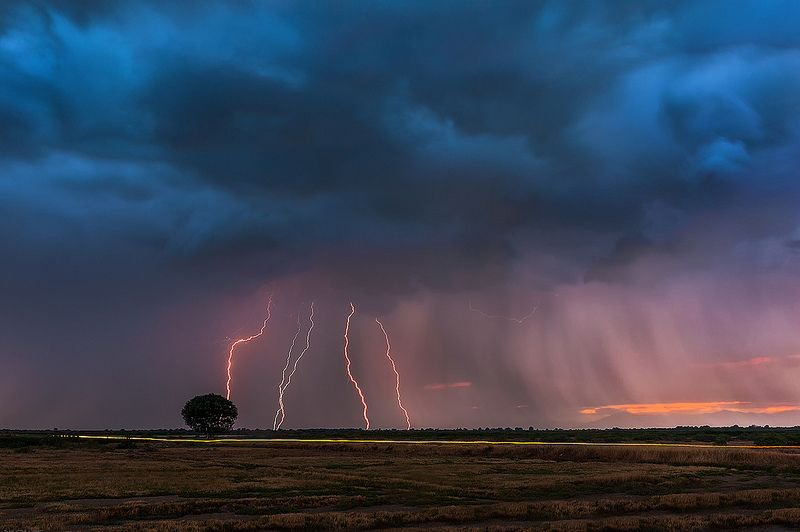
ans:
(748, 362)
(448, 385)
(691, 408)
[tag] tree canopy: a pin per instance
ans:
(209, 414)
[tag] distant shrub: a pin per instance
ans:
(28, 441)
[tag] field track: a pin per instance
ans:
(424, 442)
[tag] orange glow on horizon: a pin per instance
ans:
(691, 408)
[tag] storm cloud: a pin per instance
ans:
(170, 164)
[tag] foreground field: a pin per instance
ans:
(239, 486)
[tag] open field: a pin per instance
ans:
(62, 484)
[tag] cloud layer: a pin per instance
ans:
(161, 164)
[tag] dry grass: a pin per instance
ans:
(244, 487)
(771, 459)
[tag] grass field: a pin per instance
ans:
(59, 484)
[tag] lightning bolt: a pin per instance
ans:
(396, 374)
(347, 367)
(518, 321)
(294, 368)
(244, 341)
(283, 374)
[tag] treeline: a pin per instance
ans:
(758, 435)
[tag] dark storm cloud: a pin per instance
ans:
(392, 147)
(440, 130)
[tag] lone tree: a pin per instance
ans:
(209, 414)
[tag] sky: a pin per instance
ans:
(565, 214)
